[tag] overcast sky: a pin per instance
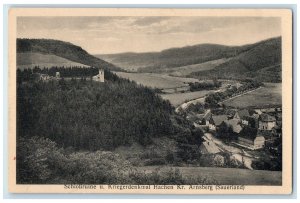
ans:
(102, 35)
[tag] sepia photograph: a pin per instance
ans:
(150, 100)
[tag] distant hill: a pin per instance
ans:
(130, 61)
(262, 62)
(61, 49)
(171, 58)
(30, 60)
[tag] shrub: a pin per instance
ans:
(150, 154)
(219, 160)
(170, 157)
(40, 161)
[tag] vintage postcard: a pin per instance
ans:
(150, 101)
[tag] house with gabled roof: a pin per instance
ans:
(230, 113)
(234, 124)
(240, 114)
(217, 120)
(251, 138)
(266, 122)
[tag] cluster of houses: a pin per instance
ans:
(252, 128)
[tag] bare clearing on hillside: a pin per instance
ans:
(30, 60)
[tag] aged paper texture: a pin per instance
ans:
(150, 101)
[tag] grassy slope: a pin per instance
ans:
(62, 49)
(270, 95)
(156, 80)
(229, 176)
(178, 98)
(30, 60)
(186, 70)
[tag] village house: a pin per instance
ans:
(230, 113)
(241, 115)
(234, 124)
(251, 121)
(266, 122)
(253, 142)
(251, 138)
(204, 119)
(100, 76)
(217, 120)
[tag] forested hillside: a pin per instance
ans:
(62, 49)
(89, 115)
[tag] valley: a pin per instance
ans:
(153, 114)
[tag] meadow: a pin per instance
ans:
(159, 81)
(30, 60)
(267, 96)
(224, 176)
(178, 98)
(186, 70)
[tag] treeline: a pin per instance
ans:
(206, 85)
(71, 72)
(213, 99)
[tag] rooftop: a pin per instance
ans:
(234, 124)
(267, 118)
(218, 119)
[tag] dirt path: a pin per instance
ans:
(239, 154)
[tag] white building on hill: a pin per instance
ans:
(100, 76)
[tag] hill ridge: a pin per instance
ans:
(62, 49)
(178, 56)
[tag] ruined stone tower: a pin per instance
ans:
(101, 75)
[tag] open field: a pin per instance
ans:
(186, 70)
(188, 98)
(178, 98)
(227, 176)
(156, 80)
(267, 96)
(30, 60)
